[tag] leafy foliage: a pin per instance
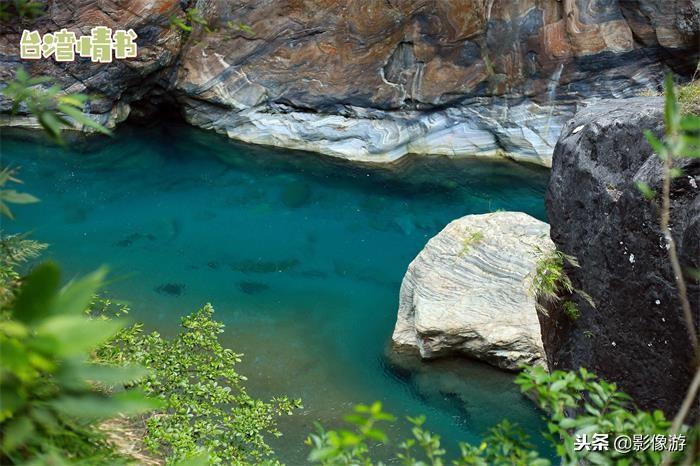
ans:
(22, 9)
(15, 250)
(11, 196)
(52, 395)
(505, 444)
(53, 109)
(206, 406)
(576, 403)
(550, 282)
(581, 403)
(571, 310)
(190, 18)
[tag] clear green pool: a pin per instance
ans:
(301, 255)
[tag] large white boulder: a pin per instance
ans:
(468, 291)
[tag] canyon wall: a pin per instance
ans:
(372, 80)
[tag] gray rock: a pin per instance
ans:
(636, 335)
(468, 291)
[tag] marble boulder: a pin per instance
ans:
(468, 292)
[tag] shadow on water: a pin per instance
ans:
(301, 255)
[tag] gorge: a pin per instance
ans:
(374, 80)
(292, 161)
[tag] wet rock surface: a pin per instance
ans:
(636, 335)
(468, 291)
(373, 80)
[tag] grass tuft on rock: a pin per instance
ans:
(689, 98)
(471, 239)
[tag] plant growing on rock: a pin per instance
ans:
(551, 284)
(21, 9)
(471, 239)
(571, 310)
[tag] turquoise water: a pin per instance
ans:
(301, 255)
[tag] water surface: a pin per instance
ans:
(301, 255)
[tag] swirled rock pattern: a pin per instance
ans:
(116, 84)
(468, 291)
(372, 80)
(635, 335)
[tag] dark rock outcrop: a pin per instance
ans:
(636, 335)
(373, 80)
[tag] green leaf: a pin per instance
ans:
(75, 100)
(37, 293)
(4, 210)
(110, 375)
(14, 197)
(656, 144)
(202, 459)
(690, 123)
(671, 113)
(75, 335)
(75, 297)
(83, 119)
(15, 433)
(644, 188)
(93, 407)
(52, 124)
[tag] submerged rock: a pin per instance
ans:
(172, 289)
(635, 335)
(296, 194)
(253, 287)
(468, 291)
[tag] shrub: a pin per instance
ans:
(15, 250)
(52, 396)
(51, 106)
(206, 406)
(577, 403)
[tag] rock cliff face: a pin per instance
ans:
(468, 291)
(635, 335)
(117, 84)
(375, 79)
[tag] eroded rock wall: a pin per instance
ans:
(635, 335)
(116, 84)
(372, 80)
